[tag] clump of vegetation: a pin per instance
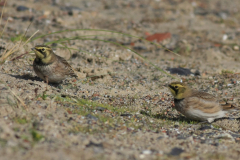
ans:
(227, 72)
(20, 120)
(36, 136)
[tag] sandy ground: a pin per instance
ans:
(119, 108)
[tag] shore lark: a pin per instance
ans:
(49, 66)
(197, 105)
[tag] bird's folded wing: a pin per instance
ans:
(67, 66)
(204, 102)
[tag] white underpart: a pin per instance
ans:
(199, 115)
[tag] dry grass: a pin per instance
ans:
(7, 52)
(10, 51)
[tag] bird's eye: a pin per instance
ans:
(176, 87)
(43, 49)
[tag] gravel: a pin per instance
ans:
(120, 107)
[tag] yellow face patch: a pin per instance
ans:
(43, 53)
(178, 90)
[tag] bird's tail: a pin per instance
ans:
(230, 107)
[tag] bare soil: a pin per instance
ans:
(119, 107)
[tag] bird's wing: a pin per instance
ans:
(204, 102)
(205, 96)
(211, 102)
(230, 107)
(68, 68)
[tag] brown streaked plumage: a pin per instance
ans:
(197, 105)
(49, 66)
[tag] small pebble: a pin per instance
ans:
(100, 108)
(22, 8)
(205, 127)
(91, 117)
(176, 151)
(236, 48)
(146, 152)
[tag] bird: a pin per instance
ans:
(50, 67)
(198, 105)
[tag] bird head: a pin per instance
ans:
(179, 90)
(43, 53)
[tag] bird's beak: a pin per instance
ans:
(33, 49)
(166, 85)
